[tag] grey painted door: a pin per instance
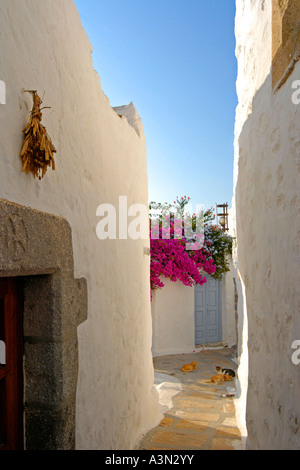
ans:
(208, 315)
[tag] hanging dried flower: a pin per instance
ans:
(37, 151)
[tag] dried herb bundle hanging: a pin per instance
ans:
(37, 151)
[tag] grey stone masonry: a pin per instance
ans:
(38, 247)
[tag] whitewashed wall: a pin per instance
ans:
(266, 205)
(229, 319)
(100, 157)
(173, 317)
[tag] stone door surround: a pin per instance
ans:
(38, 247)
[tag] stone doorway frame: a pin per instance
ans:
(37, 246)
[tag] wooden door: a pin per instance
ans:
(208, 315)
(11, 373)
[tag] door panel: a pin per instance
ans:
(199, 314)
(208, 312)
(11, 376)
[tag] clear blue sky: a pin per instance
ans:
(175, 60)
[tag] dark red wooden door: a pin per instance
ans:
(11, 373)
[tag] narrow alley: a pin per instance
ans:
(197, 415)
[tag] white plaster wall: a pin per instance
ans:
(241, 324)
(173, 319)
(229, 335)
(266, 206)
(100, 157)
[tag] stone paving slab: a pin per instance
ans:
(197, 415)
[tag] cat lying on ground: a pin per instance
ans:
(218, 379)
(189, 367)
(225, 371)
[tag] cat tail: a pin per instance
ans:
(207, 381)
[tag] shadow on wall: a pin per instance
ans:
(268, 229)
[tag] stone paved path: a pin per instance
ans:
(197, 416)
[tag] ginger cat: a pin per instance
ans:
(218, 379)
(189, 367)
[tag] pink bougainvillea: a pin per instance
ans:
(171, 259)
(172, 230)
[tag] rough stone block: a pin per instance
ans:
(50, 428)
(51, 371)
(33, 242)
(54, 305)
